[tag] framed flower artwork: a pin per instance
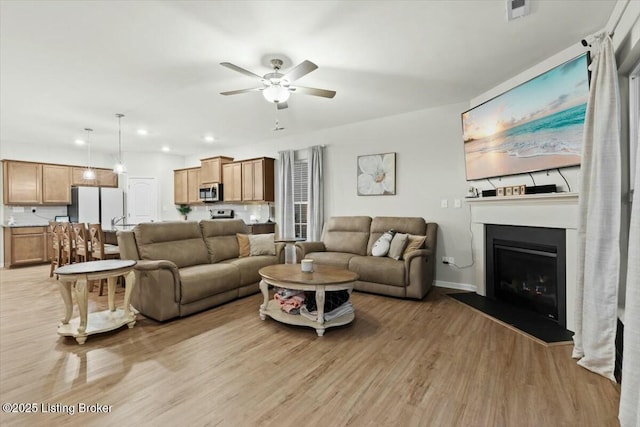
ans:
(377, 174)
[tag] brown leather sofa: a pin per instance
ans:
(347, 241)
(188, 266)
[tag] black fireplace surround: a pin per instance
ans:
(526, 267)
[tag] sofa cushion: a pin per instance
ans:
(262, 244)
(383, 244)
(335, 259)
(398, 244)
(379, 270)
(347, 234)
(202, 281)
(407, 225)
(244, 248)
(413, 244)
(250, 266)
(179, 242)
(220, 237)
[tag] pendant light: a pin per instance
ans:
(88, 174)
(119, 168)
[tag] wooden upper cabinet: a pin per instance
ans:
(56, 184)
(104, 178)
(193, 182)
(22, 183)
(186, 186)
(211, 169)
(232, 182)
(180, 187)
(258, 180)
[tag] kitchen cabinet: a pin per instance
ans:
(56, 184)
(211, 169)
(104, 178)
(28, 183)
(232, 182)
(25, 245)
(186, 186)
(258, 180)
(193, 181)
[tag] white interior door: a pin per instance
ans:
(142, 200)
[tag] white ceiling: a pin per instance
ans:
(67, 65)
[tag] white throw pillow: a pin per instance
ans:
(382, 245)
(262, 244)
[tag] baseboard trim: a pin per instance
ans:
(455, 285)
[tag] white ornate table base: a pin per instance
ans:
(305, 282)
(75, 278)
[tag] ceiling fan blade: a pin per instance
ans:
(240, 70)
(302, 69)
(314, 91)
(282, 105)
(235, 92)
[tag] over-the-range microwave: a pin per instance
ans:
(211, 193)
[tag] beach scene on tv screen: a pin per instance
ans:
(535, 126)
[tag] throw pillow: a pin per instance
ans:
(398, 244)
(382, 245)
(262, 244)
(243, 245)
(413, 244)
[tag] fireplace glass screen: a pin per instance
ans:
(526, 276)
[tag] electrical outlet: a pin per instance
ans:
(444, 259)
(451, 260)
(444, 203)
(456, 203)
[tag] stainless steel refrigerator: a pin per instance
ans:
(96, 204)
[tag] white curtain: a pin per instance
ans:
(316, 194)
(599, 217)
(286, 214)
(630, 392)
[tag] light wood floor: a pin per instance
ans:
(401, 363)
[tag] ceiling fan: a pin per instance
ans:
(276, 87)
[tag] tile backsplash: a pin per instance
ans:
(23, 215)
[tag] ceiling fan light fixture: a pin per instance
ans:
(276, 93)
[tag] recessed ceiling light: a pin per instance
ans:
(166, 149)
(208, 138)
(142, 132)
(79, 141)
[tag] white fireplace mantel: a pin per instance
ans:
(552, 210)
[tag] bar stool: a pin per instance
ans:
(68, 243)
(83, 247)
(100, 250)
(55, 248)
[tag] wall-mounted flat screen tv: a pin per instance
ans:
(535, 126)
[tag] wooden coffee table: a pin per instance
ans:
(323, 278)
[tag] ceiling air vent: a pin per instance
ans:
(517, 9)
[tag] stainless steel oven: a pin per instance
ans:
(211, 193)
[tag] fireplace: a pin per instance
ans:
(526, 267)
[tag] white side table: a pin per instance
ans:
(76, 277)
